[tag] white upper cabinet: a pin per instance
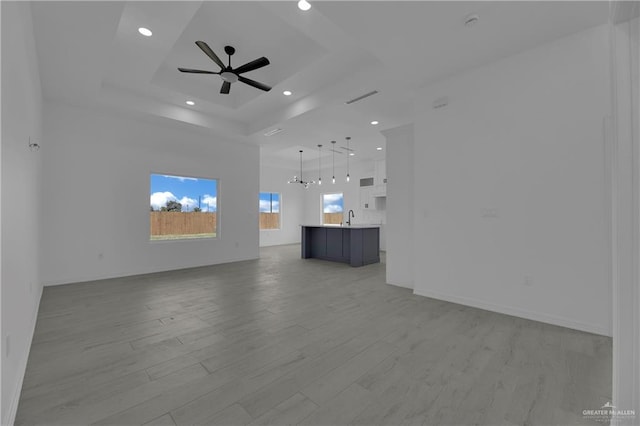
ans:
(380, 178)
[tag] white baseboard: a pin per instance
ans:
(507, 310)
(279, 243)
(402, 284)
(86, 278)
(13, 407)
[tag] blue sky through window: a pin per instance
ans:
(188, 191)
(332, 203)
(269, 202)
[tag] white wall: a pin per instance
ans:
(509, 210)
(21, 194)
(96, 195)
(274, 179)
(625, 187)
(400, 193)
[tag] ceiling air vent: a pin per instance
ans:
(366, 181)
(273, 132)
(359, 98)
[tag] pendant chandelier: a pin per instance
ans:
(333, 161)
(300, 180)
(348, 138)
(319, 164)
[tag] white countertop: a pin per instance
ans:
(354, 226)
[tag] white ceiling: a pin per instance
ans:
(91, 54)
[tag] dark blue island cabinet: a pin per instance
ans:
(356, 245)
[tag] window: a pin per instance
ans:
(183, 207)
(269, 210)
(332, 208)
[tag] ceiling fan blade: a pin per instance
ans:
(253, 65)
(196, 71)
(226, 86)
(207, 50)
(253, 83)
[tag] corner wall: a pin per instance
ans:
(625, 205)
(21, 189)
(274, 179)
(96, 195)
(510, 211)
(400, 191)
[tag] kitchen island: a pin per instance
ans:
(357, 245)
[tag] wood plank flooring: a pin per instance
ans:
(282, 340)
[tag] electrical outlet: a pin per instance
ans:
(528, 281)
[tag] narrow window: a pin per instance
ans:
(269, 205)
(332, 208)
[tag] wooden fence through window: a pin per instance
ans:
(269, 220)
(332, 218)
(191, 223)
(182, 223)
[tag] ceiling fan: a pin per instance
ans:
(230, 75)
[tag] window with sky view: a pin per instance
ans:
(269, 207)
(182, 207)
(332, 208)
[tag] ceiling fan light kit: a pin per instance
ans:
(229, 74)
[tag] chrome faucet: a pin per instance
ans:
(349, 216)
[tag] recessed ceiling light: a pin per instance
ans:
(374, 122)
(145, 31)
(379, 148)
(190, 103)
(287, 93)
(304, 5)
(351, 154)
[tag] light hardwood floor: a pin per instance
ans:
(281, 340)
